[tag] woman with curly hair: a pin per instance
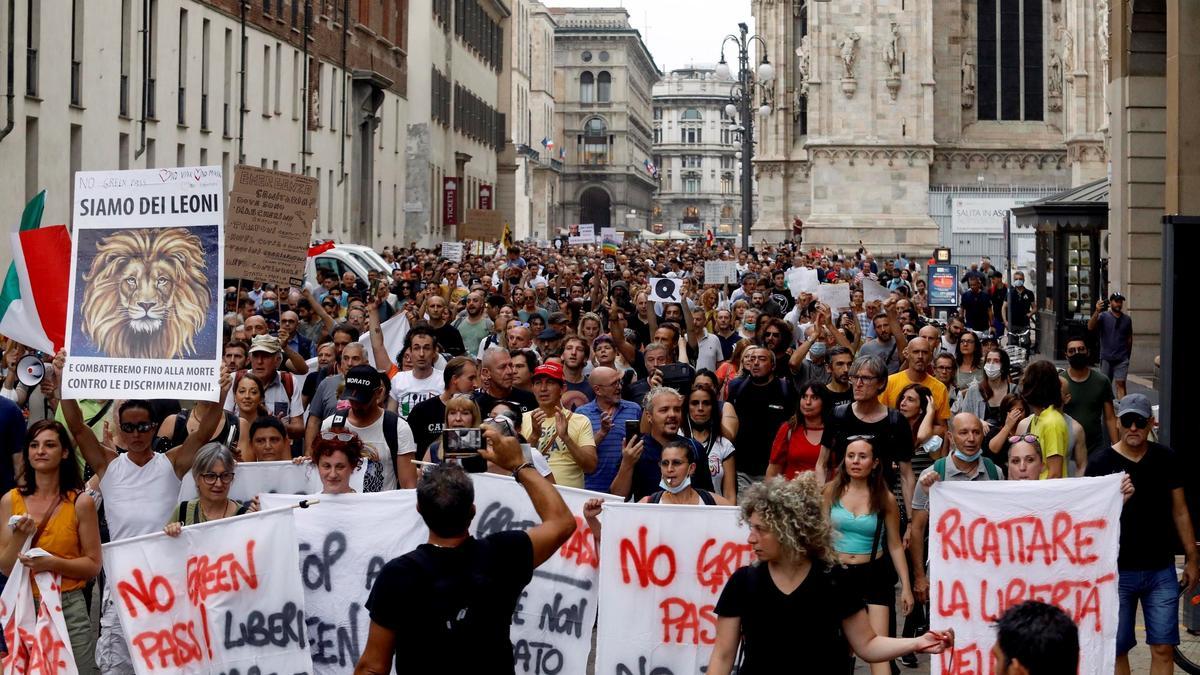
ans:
(786, 608)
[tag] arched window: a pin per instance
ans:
(595, 142)
(595, 127)
(691, 114)
(604, 87)
(587, 87)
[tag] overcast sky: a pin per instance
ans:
(679, 32)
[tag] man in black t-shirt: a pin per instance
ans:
(976, 306)
(456, 594)
(497, 375)
(1153, 522)
(764, 402)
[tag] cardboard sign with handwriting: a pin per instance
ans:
(269, 224)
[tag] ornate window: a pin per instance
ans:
(594, 142)
(691, 114)
(587, 87)
(604, 87)
(1010, 79)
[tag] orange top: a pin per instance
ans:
(61, 536)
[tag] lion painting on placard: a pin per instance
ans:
(146, 294)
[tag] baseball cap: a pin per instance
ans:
(266, 343)
(361, 384)
(549, 334)
(552, 370)
(557, 318)
(1116, 296)
(1137, 404)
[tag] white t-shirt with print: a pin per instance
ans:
(721, 450)
(408, 391)
(380, 469)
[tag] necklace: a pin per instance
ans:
(207, 517)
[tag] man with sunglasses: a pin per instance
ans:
(1153, 521)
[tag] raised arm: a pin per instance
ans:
(318, 309)
(96, 455)
(557, 521)
(383, 360)
(212, 416)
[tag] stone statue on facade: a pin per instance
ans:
(848, 53)
(1068, 54)
(1054, 82)
(1102, 35)
(891, 57)
(803, 65)
(968, 79)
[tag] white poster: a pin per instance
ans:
(146, 272)
(979, 215)
(996, 544)
(873, 291)
(255, 478)
(610, 233)
(718, 272)
(802, 280)
(344, 542)
(36, 639)
(836, 296)
(662, 569)
(552, 627)
(453, 250)
(582, 235)
(222, 596)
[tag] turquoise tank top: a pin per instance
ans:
(853, 534)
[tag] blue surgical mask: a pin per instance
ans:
(268, 305)
(750, 326)
(963, 457)
(933, 445)
(1019, 283)
(687, 482)
(817, 350)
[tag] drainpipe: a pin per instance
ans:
(242, 90)
(345, 38)
(145, 76)
(307, 95)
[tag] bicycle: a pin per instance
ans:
(1187, 652)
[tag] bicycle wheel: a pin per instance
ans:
(1187, 654)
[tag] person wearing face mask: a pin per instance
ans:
(1020, 307)
(1116, 339)
(983, 398)
(749, 324)
(677, 464)
(1091, 397)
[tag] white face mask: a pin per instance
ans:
(1019, 283)
(992, 370)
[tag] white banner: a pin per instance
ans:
(581, 235)
(979, 215)
(996, 544)
(453, 250)
(255, 478)
(552, 627)
(802, 280)
(344, 542)
(224, 595)
(837, 296)
(720, 272)
(144, 316)
(36, 639)
(662, 569)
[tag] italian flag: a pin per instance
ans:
(33, 300)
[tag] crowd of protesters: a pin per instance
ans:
(826, 425)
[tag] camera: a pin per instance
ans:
(461, 443)
(677, 376)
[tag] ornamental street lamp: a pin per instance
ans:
(741, 100)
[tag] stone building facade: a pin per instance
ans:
(456, 127)
(529, 166)
(876, 104)
(325, 97)
(604, 76)
(696, 154)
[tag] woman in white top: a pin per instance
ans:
(703, 426)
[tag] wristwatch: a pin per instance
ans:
(517, 471)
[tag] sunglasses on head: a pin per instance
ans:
(140, 427)
(343, 436)
(1028, 438)
(1134, 421)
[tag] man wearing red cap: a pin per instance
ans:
(563, 437)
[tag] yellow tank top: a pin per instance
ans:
(61, 536)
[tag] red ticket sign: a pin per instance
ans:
(450, 200)
(995, 544)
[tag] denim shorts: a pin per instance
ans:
(1115, 370)
(1158, 591)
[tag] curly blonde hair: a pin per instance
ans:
(792, 510)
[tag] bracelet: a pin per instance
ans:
(516, 472)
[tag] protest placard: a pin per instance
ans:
(144, 313)
(582, 234)
(223, 596)
(35, 637)
(453, 250)
(270, 223)
(718, 272)
(481, 225)
(995, 544)
(837, 296)
(343, 544)
(552, 626)
(802, 280)
(662, 569)
(873, 290)
(611, 233)
(255, 478)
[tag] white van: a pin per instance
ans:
(338, 260)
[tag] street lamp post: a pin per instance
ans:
(741, 103)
